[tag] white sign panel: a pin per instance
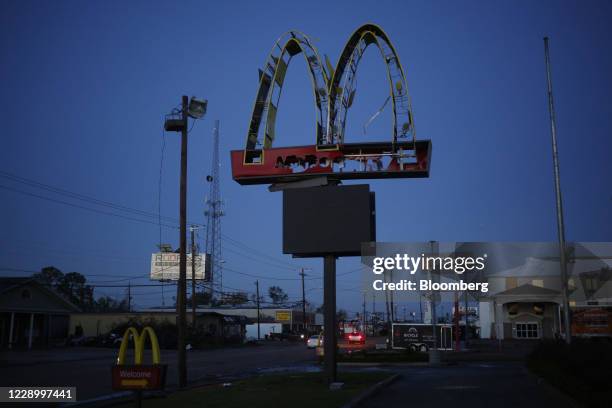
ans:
(165, 266)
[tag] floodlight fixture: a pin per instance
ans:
(197, 107)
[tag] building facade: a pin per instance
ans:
(32, 314)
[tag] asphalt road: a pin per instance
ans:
(473, 385)
(89, 368)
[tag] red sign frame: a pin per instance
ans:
(139, 377)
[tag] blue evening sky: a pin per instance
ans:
(85, 86)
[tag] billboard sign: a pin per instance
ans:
(165, 266)
(282, 316)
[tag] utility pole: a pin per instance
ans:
(560, 224)
(182, 283)
(193, 278)
(389, 320)
(456, 317)
(302, 274)
(365, 322)
(196, 109)
(129, 296)
(373, 312)
(434, 357)
(421, 306)
(392, 306)
(467, 327)
(258, 318)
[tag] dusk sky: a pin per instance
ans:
(86, 85)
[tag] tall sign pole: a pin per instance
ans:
(329, 323)
(182, 283)
(560, 223)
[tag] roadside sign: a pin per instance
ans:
(165, 266)
(282, 316)
(139, 377)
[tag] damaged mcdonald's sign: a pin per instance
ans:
(334, 91)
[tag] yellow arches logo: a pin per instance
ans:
(139, 341)
(138, 376)
(333, 89)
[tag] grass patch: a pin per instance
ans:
(387, 356)
(297, 390)
(582, 369)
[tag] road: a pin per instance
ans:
(495, 384)
(89, 368)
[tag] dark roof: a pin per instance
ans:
(9, 283)
(529, 289)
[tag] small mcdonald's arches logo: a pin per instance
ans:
(137, 376)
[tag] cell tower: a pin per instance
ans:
(214, 212)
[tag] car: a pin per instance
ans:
(313, 341)
(356, 337)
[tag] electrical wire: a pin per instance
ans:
(83, 207)
(83, 197)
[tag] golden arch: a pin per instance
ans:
(333, 89)
(342, 84)
(139, 341)
(271, 80)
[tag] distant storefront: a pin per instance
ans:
(526, 312)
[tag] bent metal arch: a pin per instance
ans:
(334, 92)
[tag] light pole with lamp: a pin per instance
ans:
(196, 108)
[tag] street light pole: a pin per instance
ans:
(560, 223)
(196, 108)
(182, 283)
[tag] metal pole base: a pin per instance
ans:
(434, 357)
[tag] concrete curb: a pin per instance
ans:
(355, 402)
(391, 364)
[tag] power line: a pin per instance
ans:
(270, 264)
(247, 248)
(142, 213)
(83, 197)
(83, 207)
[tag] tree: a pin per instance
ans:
(73, 286)
(341, 314)
(49, 275)
(202, 298)
(109, 304)
(277, 294)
